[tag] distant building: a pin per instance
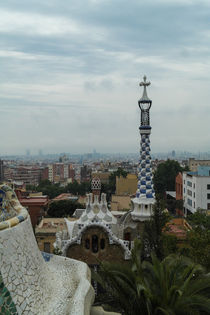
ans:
(120, 202)
(196, 189)
(103, 176)
(36, 205)
(28, 152)
(193, 164)
(45, 173)
(30, 175)
(85, 173)
(126, 185)
(46, 231)
(40, 152)
(60, 173)
(71, 173)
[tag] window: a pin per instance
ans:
(102, 243)
(95, 243)
(208, 196)
(189, 202)
(189, 192)
(194, 195)
(208, 186)
(47, 247)
(208, 206)
(194, 204)
(87, 243)
(194, 186)
(189, 183)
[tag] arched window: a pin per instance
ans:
(95, 243)
(87, 243)
(102, 243)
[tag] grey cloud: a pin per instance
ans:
(86, 83)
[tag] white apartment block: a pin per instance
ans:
(50, 172)
(66, 171)
(196, 189)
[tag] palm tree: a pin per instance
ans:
(172, 286)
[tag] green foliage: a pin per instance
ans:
(48, 188)
(78, 189)
(198, 246)
(53, 190)
(152, 235)
(169, 244)
(63, 208)
(165, 175)
(198, 219)
(172, 286)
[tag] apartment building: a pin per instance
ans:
(196, 189)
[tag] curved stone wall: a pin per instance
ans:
(39, 287)
(7, 306)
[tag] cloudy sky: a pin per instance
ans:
(70, 73)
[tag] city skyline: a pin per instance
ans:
(70, 75)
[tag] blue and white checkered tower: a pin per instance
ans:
(145, 197)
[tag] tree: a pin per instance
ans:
(200, 220)
(49, 189)
(198, 246)
(153, 231)
(78, 189)
(63, 208)
(112, 178)
(52, 190)
(165, 175)
(172, 286)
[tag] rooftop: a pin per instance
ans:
(65, 196)
(177, 227)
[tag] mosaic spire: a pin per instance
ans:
(145, 196)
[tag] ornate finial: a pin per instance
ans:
(145, 84)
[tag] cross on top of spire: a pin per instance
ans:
(145, 84)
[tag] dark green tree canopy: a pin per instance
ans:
(52, 190)
(165, 176)
(63, 208)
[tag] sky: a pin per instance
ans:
(70, 73)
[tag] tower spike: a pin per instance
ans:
(145, 197)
